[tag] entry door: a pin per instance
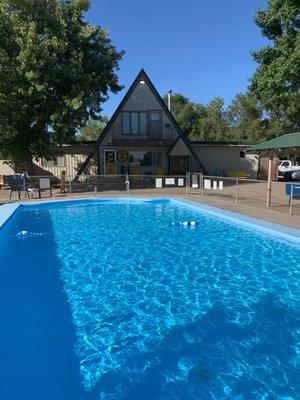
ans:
(179, 165)
(109, 162)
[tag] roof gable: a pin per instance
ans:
(142, 76)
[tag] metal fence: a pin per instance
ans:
(251, 192)
(256, 193)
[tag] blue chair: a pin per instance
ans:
(292, 190)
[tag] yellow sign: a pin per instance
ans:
(122, 156)
(109, 156)
(110, 162)
(109, 169)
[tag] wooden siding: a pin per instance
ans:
(142, 99)
(218, 160)
(74, 156)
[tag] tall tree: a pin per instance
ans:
(184, 112)
(55, 71)
(246, 120)
(93, 129)
(212, 124)
(276, 82)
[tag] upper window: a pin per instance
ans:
(57, 161)
(134, 123)
(154, 125)
(126, 123)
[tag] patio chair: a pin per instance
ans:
(17, 183)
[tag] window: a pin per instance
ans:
(156, 158)
(154, 127)
(134, 123)
(242, 154)
(143, 124)
(57, 161)
(126, 123)
(285, 164)
(140, 158)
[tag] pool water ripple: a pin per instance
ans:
(163, 312)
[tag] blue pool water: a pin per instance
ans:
(107, 300)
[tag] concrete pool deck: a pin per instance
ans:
(277, 214)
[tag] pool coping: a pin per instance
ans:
(256, 224)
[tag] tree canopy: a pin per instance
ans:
(276, 82)
(242, 120)
(55, 71)
(92, 129)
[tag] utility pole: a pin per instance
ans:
(169, 99)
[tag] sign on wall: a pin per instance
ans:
(109, 162)
(122, 156)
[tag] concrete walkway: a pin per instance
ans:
(278, 213)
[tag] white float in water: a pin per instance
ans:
(22, 235)
(185, 223)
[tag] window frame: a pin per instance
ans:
(130, 123)
(147, 114)
(154, 159)
(45, 162)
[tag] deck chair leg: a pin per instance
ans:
(10, 194)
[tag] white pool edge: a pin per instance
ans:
(256, 224)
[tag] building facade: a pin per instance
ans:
(140, 134)
(143, 138)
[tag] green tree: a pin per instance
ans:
(246, 120)
(212, 123)
(55, 71)
(184, 112)
(92, 130)
(276, 82)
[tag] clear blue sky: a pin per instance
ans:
(200, 48)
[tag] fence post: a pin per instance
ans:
(269, 193)
(187, 183)
(127, 183)
(291, 199)
(202, 184)
(70, 186)
(63, 182)
(237, 192)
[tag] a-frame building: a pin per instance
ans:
(142, 137)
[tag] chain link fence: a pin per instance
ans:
(250, 192)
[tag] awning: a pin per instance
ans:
(291, 141)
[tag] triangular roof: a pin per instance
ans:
(143, 76)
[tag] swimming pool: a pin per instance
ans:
(105, 299)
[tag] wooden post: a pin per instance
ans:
(269, 188)
(187, 183)
(291, 199)
(63, 181)
(237, 192)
